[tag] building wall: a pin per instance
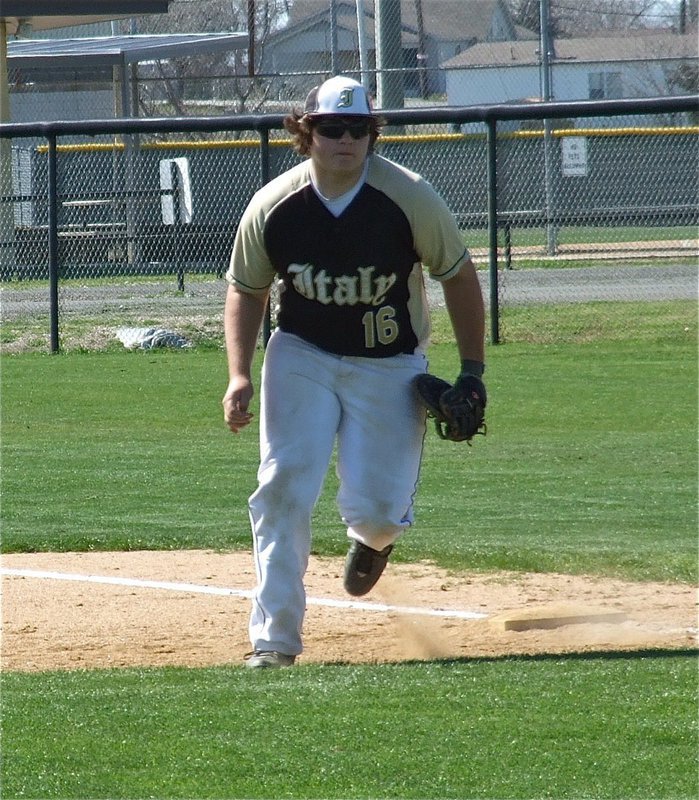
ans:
(52, 106)
(481, 85)
(485, 85)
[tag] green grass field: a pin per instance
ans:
(612, 726)
(589, 467)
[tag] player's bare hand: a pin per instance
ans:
(235, 403)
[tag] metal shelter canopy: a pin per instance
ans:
(20, 17)
(117, 50)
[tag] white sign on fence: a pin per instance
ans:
(574, 156)
(174, 175)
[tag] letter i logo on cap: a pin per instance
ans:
(346, 98)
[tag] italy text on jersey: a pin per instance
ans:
(314, 283)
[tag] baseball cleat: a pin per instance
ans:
(363, 567)
(268, 659)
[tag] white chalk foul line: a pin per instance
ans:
(220, 590)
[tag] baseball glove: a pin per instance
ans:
(459, 410)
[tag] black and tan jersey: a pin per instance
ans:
(353, 284)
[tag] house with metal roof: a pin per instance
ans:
(645, 64)
(321, 37)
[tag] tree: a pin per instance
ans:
(220, 76)
(680, 15)
(526, 13)
(573, 18)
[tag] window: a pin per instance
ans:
(604, 85)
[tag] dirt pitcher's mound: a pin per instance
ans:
(174, 608)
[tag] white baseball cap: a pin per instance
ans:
(340, 96)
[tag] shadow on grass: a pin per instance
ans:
(593, 655)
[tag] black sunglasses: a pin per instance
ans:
(336, 130)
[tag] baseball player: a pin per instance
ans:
(347, 234)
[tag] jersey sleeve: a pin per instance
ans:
(437, 238)
(250, 269)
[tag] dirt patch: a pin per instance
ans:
(53, 623)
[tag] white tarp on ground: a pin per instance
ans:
(148, 338)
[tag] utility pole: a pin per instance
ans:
(333, 38)
(421, 50)
(251, 38)
(362, 45)
(545, 50)
(389, 54)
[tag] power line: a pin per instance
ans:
(602, 12)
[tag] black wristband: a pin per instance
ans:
(469, 367)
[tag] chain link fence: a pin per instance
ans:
(586, 218)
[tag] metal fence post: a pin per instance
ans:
(53, 242)
(493, 230)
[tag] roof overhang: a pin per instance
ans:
(39, 15)
(117, 50)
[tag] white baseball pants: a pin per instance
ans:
(310, 398)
